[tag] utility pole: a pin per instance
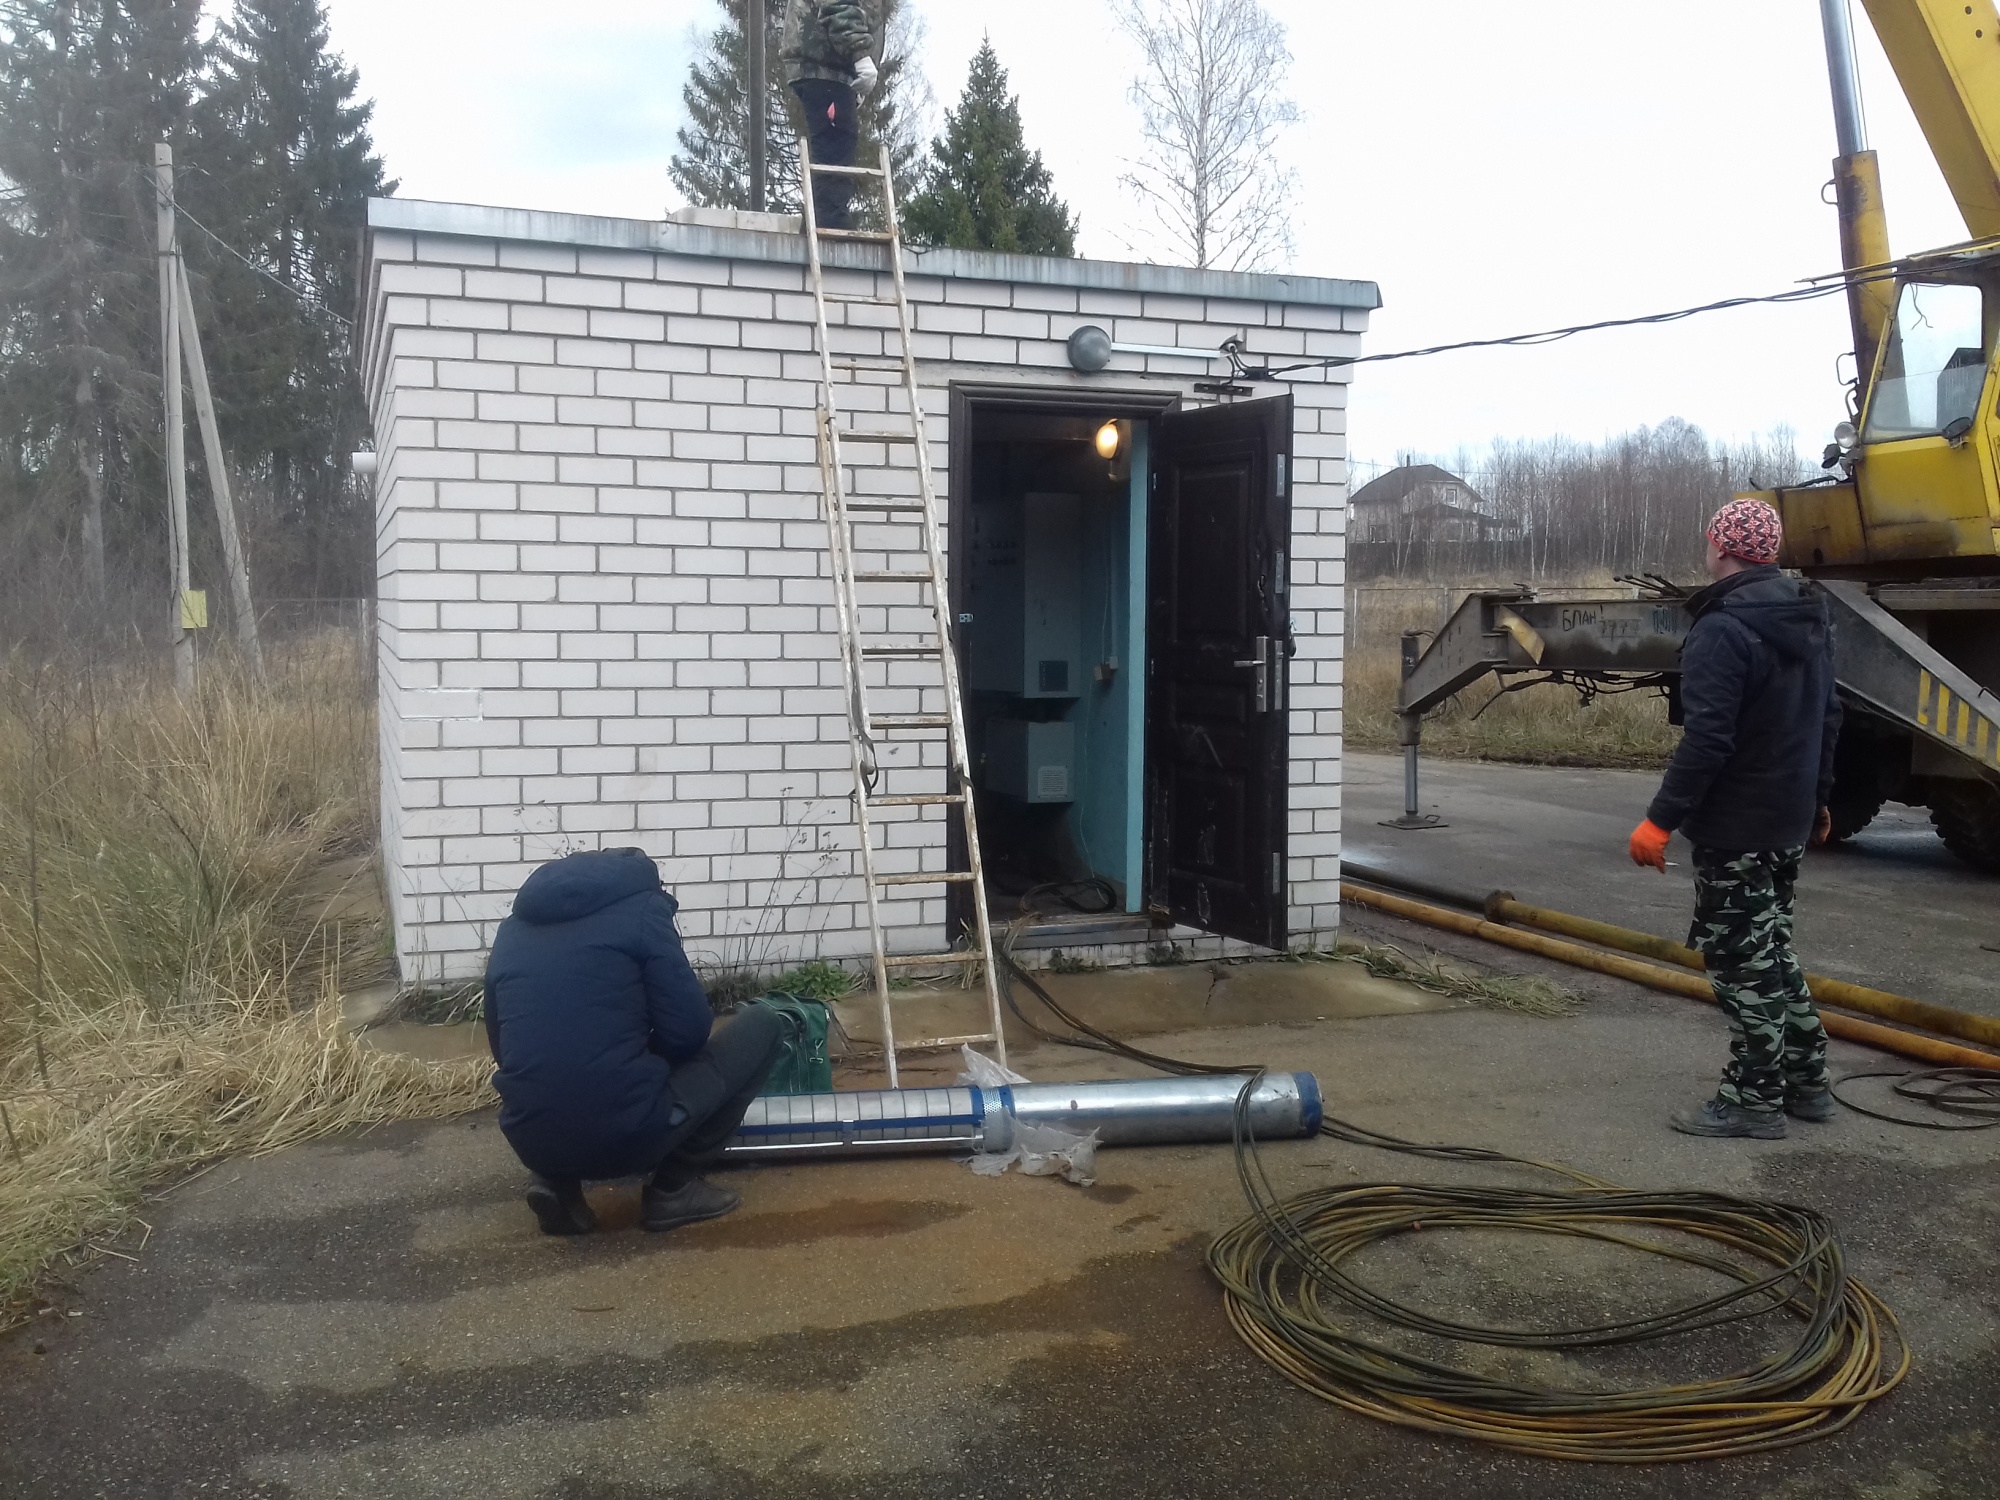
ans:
(759, 101)
(218, 478)
(170, 377)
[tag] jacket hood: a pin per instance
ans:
(1773, 607)
(579, 884)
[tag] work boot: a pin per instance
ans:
(1815, 1105)
(560, 1206)
(662, 1208)
(1719, 1117)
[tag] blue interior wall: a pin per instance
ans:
(1105, 820)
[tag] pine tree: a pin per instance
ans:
(285, 167)
(712, 166)
(983, 188)
(86, 89)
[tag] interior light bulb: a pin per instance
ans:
(1107, 441)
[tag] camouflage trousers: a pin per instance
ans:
(1743, 924)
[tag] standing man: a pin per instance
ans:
(1747, 786)
(608, 1067)
(828, 51)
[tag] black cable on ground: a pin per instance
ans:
(1292, 1299)
(1951, 1091)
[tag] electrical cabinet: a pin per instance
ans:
(1031, 762)
(1026, 597)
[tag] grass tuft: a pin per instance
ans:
(1524, 994)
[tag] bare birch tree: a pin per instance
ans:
(1211, 107)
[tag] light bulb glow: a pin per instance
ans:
(1107, 441)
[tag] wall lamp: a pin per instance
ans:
(1091, 348)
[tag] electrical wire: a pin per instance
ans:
(1950, 1091)
(1291, 1297)
(1836, 286)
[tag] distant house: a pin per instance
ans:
(1422, 503)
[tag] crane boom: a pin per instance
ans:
(1946, 54)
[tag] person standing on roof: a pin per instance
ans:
(608, 1064)
(829, 50)
(1747, 787)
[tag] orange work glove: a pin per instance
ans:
(1649, 845)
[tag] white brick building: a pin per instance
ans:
(604, 602)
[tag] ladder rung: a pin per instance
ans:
(938, 1043)
(860, 301)
(927, 877)
(858, 502)
(833, 171)
(909, 721)
(910, 652)
(849, 362)
(866, 236)
(924, 960)
(876, 575)
(918, 799)
(860, 435)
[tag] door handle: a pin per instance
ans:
(1260, 666)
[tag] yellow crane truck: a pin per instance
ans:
(1902, 536)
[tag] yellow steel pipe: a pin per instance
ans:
(1943, 1019)
(1673, 981)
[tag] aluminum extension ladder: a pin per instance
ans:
(881, 657)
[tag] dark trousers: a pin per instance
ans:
(831, 132)
(712, 1090)
(1743, 926)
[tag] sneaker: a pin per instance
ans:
(1719, 1118)
(1815, 1105)
(560, 1207)
(689, 1203)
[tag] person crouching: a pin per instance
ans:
(610, 1061)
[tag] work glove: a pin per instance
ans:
(864, 76)
(1822, 828)
(1649, 845)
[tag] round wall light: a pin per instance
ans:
(1107, 441)
(1089, 349)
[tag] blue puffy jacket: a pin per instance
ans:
(590, 1001)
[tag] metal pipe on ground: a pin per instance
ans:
(1500, 906)
(1123, 1112)
(1673, 981)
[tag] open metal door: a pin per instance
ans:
(1217, 759)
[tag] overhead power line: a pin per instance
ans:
(1241, 370)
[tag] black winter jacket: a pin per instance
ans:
(1755, 761)
(590, 1000)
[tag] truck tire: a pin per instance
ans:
(1966, 815)
(1857, 793)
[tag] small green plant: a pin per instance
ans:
(818, 980)
(1069, 963)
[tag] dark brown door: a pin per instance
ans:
(1216, 757)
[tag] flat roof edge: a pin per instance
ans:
(534, 226)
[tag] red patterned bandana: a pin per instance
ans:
(1748, 529)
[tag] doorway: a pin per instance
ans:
(1118, 583)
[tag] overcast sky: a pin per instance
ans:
(1496, 168)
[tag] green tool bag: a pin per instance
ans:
(802, 1066)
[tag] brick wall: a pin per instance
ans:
(605, 614)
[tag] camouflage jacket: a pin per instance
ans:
(823, 38)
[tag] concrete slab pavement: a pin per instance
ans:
(376, 1317)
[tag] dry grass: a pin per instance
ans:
(1546, 725)
(169, 990)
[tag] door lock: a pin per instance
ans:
(1260, 666)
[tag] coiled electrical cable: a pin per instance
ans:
(1965, 1092)
(1293, 1297)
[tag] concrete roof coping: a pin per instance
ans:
(678, 237)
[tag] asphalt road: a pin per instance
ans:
(1890, 908)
